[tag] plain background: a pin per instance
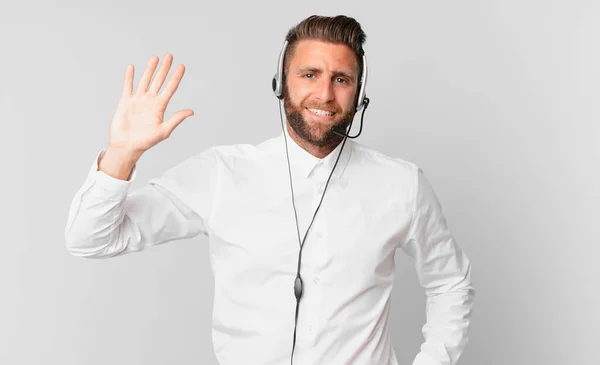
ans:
(498, 102)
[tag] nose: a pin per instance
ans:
(325, 90)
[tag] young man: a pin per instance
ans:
(290, 284)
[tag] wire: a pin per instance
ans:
(298, 281)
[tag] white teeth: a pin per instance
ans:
(320, 112)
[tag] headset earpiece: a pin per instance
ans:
(361, 99)
(278, 80)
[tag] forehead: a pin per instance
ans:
(335, 56)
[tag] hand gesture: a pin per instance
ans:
(138, 123)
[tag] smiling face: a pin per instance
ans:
(320, 90)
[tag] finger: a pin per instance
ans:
(128, 84)
(145, 80)
(161, 75)
(173, 83)
(168, 126)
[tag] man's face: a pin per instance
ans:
(320, 90)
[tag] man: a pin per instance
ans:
(258, 206)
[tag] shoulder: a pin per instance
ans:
(396, 166)
(242, 154)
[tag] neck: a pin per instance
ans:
(317, 151)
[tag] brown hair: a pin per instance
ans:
(338, 29)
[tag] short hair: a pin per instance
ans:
(338, 29)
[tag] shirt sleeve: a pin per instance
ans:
(106, 220)
(444, 271)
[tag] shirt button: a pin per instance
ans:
(309, 328)
(320, 190)
(316, 280)
(319, 235)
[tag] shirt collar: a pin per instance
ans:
(303, 164)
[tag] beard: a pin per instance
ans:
(317, 134)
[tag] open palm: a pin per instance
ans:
(138, 122)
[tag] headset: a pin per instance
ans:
(362, 102)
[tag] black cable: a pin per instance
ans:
(298, 285)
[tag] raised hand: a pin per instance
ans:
(138, 123)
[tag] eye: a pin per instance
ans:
(309, 76)
(340, 80)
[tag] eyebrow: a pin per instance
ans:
(317, 70)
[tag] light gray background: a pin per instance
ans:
(498, 101)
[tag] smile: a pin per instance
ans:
(321, 113)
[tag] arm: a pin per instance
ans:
(444, 272)
(105, 220)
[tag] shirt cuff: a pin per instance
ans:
(107, 183)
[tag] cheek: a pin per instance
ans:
(345, 99)
(298, 97)
(300, 93)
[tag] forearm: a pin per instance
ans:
(95, 214)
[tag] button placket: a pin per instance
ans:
(318, 239)
(316, 304)
(315, 241)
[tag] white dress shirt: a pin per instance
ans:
(239, 197)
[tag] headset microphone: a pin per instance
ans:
(340, 132)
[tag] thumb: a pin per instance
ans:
(168, 126)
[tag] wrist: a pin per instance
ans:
(118, 163)
(123, 154)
